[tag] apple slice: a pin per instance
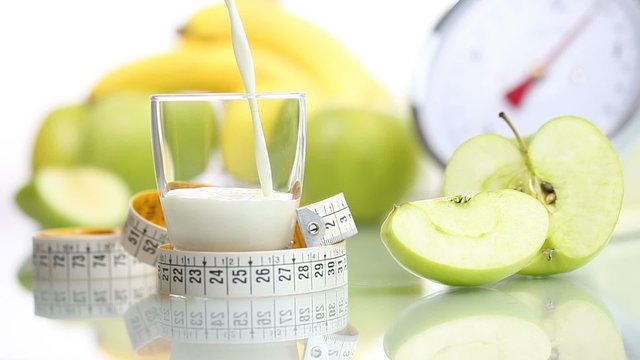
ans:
(569, 165)
(577, 322)
(466, 241)
(76, 196)
(475, 323)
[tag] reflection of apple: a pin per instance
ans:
(578, 323)
(368, 155)
(75, 196)
(475, 323)
(569, 165)
(628, 222)
(462, 241)
(59, 137)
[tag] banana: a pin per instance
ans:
(207, 67)
(269, 25)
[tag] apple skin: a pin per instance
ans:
(567, 308)
(190, 128)
(444, 271)
(368, 155)
(59, 137)
(117, 138)
(462, 304)
(577, 159)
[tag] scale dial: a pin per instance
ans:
(533, 59)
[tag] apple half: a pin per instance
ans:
(569, 165)
(75, 196)
(473, 323)
(466, 241)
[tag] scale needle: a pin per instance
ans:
(515, 95)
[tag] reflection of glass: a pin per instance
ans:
(206, 170)
(248, 328)
(546, 318)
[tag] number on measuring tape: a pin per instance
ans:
(326, 222)
(242, 274)
(89, 298)
(75, 255)
(244, 320)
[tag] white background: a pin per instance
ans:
(53, 51)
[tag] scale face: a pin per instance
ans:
(534, 60)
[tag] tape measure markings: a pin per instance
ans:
(241, 274)
(237, 321)
(89, 298)
(141, 234)
(76, 253)
(335, 222)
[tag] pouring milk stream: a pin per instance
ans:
(234, 219)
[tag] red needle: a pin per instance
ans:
(515, 95)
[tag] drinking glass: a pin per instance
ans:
(205, 162)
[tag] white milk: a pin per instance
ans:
(245, 65)
(229, 219)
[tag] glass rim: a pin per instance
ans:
(217, 96)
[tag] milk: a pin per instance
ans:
(229, 219)
(244, 60)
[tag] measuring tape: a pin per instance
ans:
(242, 274)
(320, 317)
(317, 262)
(90, 298)
(319, 224)
(82, 253)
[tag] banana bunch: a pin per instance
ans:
(290, 54)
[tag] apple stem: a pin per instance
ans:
(521, 144)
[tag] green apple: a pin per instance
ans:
(577, 322)
(190, 131)
(75, 196)
(59, 137)
(117, 137)
(569, 165)
(475, 323)
(467, 241)
(369, 155)
(25, 273)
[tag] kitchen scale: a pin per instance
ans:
(534, 60)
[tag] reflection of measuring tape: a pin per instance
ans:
(321, 265)
(90, 298)
(337, 346)
(244, 321)
(82, 253)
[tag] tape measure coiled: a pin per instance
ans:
(317, 262)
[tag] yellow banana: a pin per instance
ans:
(206, 67)
(268, 25)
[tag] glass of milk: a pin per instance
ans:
(229, 168)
